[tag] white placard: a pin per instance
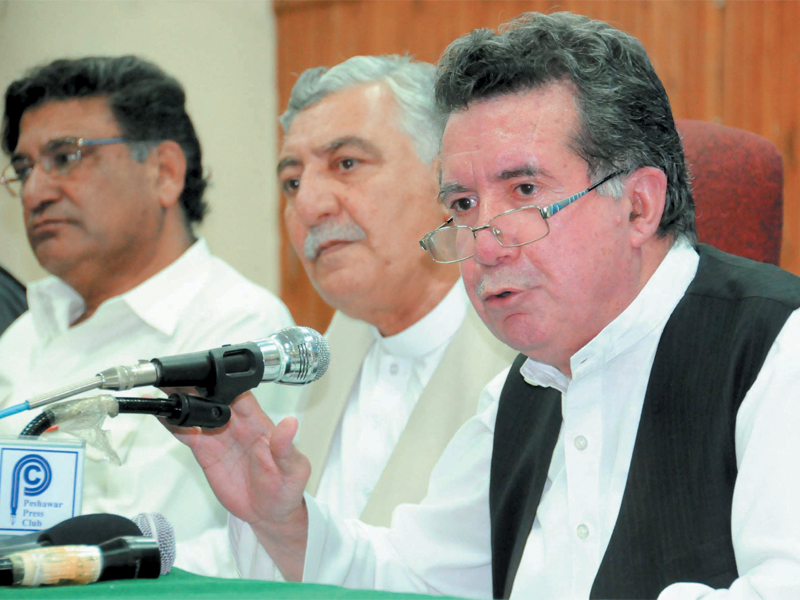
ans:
(41, 483)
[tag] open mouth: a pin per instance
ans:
(501, 297)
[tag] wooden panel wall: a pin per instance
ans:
(733, 62)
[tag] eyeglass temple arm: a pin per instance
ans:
(424, 241)
(554, 208)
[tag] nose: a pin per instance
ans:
(488, 250)
(317, 199)
(39, 189)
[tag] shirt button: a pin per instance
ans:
(583, 531)
(581, 442)
(394, 369)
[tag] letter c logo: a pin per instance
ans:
(36, 474)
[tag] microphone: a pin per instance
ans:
(84, 530)
(126, 557)
(96, 529)
(156, 526)
(293, 356)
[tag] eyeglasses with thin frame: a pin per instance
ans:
(512, 228)
(61, 155)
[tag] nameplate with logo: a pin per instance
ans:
(41, 483)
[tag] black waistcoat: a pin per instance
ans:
(674, 521)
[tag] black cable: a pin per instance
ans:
(40, 424)
(162, 407)
(179, 409)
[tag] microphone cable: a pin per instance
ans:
(181, 410)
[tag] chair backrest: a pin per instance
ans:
(737, 182)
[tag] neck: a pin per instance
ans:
(408, 306)
(650, 258)
(118, 276)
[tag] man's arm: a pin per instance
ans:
(257, 474)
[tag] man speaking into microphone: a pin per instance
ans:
(107, 165)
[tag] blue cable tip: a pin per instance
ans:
(12, 410)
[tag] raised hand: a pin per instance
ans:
(259, 476)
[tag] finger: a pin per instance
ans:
(185, 435)
(247, 409)
(192, 391)
(281, 440)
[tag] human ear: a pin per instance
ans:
(646, 189)
(171, 173)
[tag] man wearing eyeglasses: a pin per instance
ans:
(107, 166)
(644, 443)
(356, 169)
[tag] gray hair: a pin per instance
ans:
(410, 81)
(625, 117)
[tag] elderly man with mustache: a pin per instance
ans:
(409, 354)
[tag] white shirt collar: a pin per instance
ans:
(432, 330)
(159, 301)
(651, 307)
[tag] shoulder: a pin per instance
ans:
(735, 278)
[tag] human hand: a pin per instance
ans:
(257, 474)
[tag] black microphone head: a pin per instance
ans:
(156, 526)
(88, 530)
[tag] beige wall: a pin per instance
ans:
(223, 51)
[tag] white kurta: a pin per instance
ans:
(198, 302)
(393, 376)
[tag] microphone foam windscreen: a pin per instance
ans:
(89, 530)
(156, 526)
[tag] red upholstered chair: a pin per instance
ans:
(737, 181)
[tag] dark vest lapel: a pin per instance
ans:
(524, 467)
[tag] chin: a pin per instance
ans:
(517, 334)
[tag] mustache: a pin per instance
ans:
(504, 279)
(319, 235)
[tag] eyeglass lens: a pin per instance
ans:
(510, 229)
(63, 156)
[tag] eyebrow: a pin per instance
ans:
(331, 147)
(450, 188)
(49, 146)
(527, 170)
(351, 140)
(288, 162)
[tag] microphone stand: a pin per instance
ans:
(222, 386)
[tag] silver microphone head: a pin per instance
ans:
(156, 526)
(295, 356)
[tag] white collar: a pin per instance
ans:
(650, 309)
(158, 301)
(432, 330)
